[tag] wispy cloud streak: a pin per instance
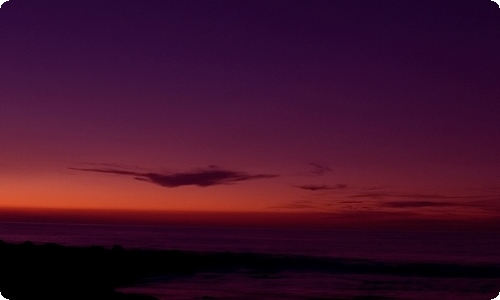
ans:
(417, 204)
(320, 169)
(378, 195)
(203, 178)
(314, 187)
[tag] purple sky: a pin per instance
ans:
(345, 107)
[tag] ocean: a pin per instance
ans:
(386, 250)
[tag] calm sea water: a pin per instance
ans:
(383, 246)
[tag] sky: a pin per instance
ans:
(352, 112)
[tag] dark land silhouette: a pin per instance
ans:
(51, 271)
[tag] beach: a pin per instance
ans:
(192, 268)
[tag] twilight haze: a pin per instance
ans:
(347, 113)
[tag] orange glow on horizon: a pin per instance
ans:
(330, 221)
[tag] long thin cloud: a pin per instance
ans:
(315, 187)
(417, 204)
(412, 195)
(202, 178)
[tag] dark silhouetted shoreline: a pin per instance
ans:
(51, 271)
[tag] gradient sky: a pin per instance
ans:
(358, 110)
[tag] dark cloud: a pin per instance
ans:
(377, 195)
(319, 169)
(203, 178)
(416, 204)
(295, 206)
(431, 196)
(314, 187)
(370, 195)
(373, 188)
